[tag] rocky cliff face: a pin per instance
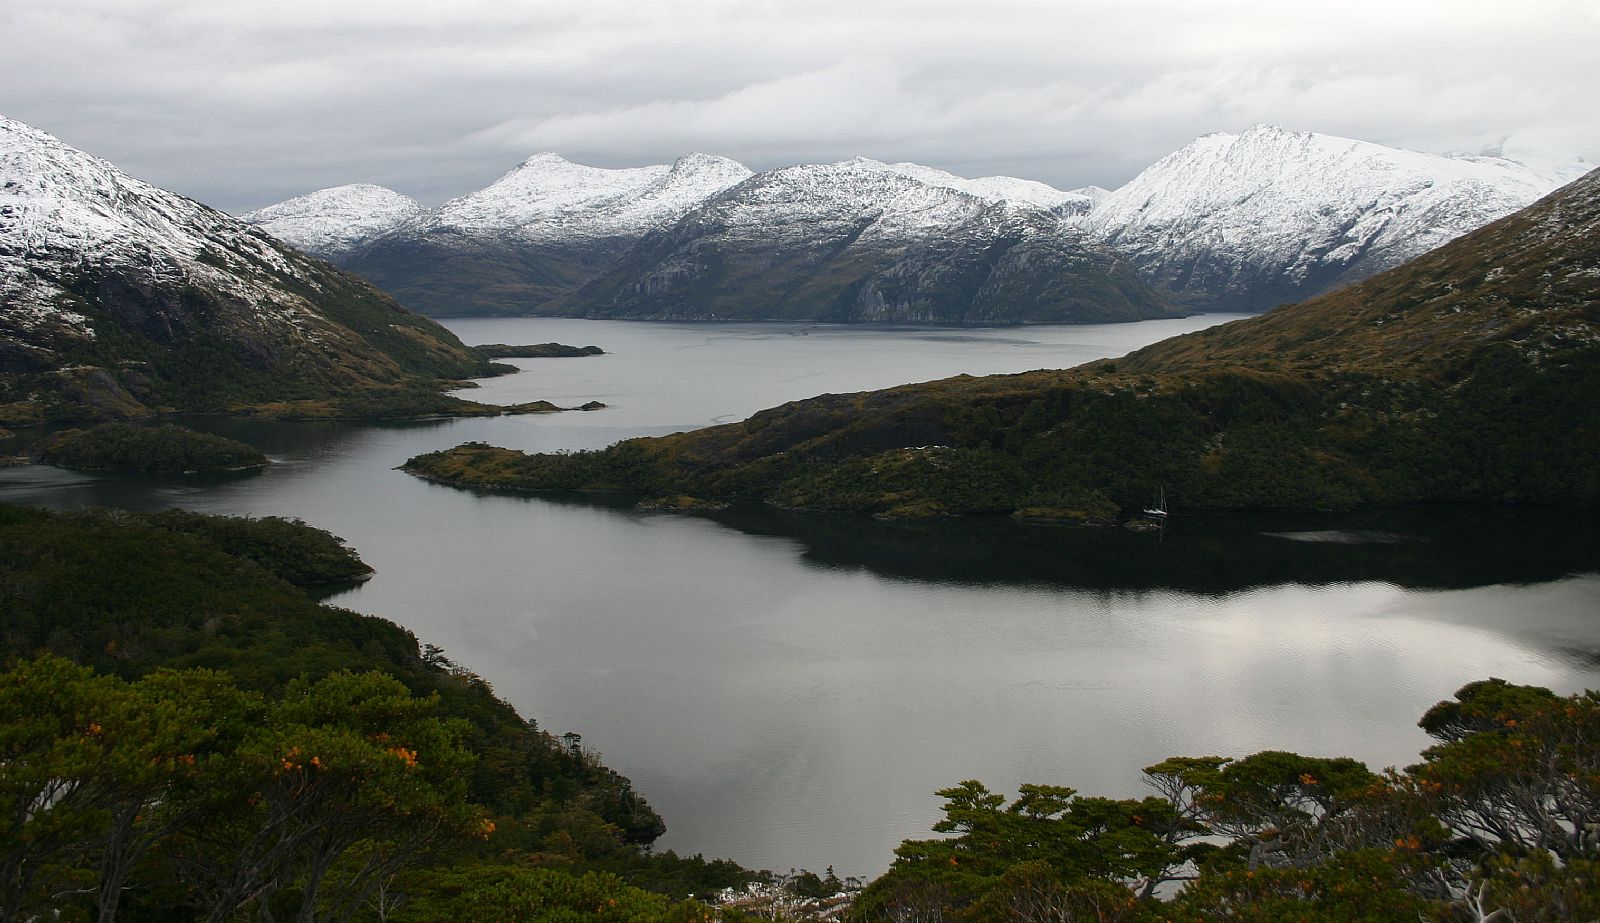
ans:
(118, 298)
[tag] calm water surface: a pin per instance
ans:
(789, 691)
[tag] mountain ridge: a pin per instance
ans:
(118, 299)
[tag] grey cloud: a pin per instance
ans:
(241, 104)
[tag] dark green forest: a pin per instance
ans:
(187, 735)
(164, 448)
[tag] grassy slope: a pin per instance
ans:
(1472, 373)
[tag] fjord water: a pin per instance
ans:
(790, 690)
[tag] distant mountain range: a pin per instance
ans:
(1470, 373)
(704, 238)
(1229, 222)
(120, 299)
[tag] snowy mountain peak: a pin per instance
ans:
(696, 162)
(548, 197)
(1273, 214)
(545, 187)
(544, 158)
(330, 222)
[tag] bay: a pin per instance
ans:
(789, 691)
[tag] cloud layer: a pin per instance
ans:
(244, 103)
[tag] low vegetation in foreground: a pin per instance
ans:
(166, 448)
(1471, 373)
(186, 735)
(1499, 821)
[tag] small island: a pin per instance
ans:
(160, 449)
(537, 351)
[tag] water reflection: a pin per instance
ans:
(1428, 547)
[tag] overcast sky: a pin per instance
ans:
(241, 103)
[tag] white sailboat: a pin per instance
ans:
(1159, 511)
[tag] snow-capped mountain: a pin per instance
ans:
(330, 222)
(550, 198)
(117, 298)
(533, 236)
(866, 241)
(1240, 221)
(1247, 221)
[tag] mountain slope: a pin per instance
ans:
(535, 235)
(1472, 373)
(331, 222)
(866, 241)
(1256, 219)
(119, 299)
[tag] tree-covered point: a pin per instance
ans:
(164, 448)
(418, 400)
(536, 351)
(130, 594)
(1500, 821)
